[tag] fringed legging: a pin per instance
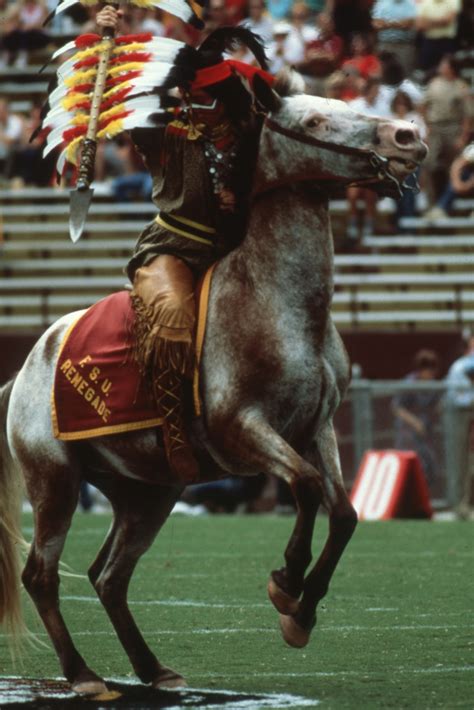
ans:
(163, 301)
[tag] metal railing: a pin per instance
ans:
(368, 419)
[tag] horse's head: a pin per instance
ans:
(312, 139)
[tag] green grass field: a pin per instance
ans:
(395, 630)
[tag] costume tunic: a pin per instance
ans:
(183, 192)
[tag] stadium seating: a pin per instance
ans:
(410, 281)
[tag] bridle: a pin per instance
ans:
(376, 161)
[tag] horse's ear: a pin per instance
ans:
(264, 94)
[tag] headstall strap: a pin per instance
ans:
(378, 162)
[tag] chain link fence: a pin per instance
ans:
(432, 418)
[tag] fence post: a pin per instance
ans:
(361, 416)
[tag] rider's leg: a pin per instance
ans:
(163, 300)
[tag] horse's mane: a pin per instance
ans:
(289, 83)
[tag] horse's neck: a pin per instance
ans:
(289, 240)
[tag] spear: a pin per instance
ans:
(81, 196)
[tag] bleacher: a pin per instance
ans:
(419, 279)
(415, 280)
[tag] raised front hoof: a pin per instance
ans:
(168, 678)
(280, 599)
(293, 634)
(90, 687)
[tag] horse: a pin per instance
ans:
(273, 373)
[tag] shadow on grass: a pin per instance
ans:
(56, 694)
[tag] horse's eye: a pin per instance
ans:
(312, 123)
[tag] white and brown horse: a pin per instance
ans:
(273, 373)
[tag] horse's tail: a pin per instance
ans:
(11, 539)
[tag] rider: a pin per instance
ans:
(200, 184)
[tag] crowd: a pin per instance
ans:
(394, 58)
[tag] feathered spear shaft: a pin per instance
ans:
(81, 196)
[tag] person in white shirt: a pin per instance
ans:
(259, 21)
(300, 35)
(394, 22)
(11, 127)
(436, 21)
(459, 428)
(370, 103)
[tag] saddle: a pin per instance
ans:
(98, 388)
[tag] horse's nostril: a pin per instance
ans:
(404, 136)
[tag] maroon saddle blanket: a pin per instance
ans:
(98, 388)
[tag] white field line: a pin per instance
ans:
(335, 674)
(271, 630)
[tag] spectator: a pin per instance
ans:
(354, 84)
(334, 85)
(259, 21)
(394, 79)
(350, 17)
(436, 21)
(300, 36)
(402, 107)
(394, 22)
(363, 59)
(11, 129)
(459, 426)
(25, 30)
(322, 54)
(370, 103)
(279, 9)
(446, 112)
(277, 58)
(461, 184)
(415, 413)
(135, 182)
(27, 165)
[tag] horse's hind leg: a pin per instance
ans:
(296, 629)
(53, 506)
(286, 584)
(139, 512)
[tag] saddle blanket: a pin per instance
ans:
(98, 388)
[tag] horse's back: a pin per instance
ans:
(29, 412)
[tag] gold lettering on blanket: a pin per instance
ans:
(89, 385)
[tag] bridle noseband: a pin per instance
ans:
(376, 161)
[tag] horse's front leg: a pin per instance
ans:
(296, 628)
(286, 584)
(250, 439)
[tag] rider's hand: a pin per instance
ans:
(108, 17)
(226, 200)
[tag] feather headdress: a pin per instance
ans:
(140, 73)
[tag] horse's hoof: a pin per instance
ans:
(168, 678)
(292, 633)
(90, 687)
(280, 599)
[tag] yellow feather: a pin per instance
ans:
(80, 119)
(113, 129)
(129, 66)
(84, 53)
(69, 102)
(132, 47)
(72, 152)
(81, 77)
(111, 112)
(143, 3)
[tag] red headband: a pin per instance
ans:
(224, 70)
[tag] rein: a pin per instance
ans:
(379, 163)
